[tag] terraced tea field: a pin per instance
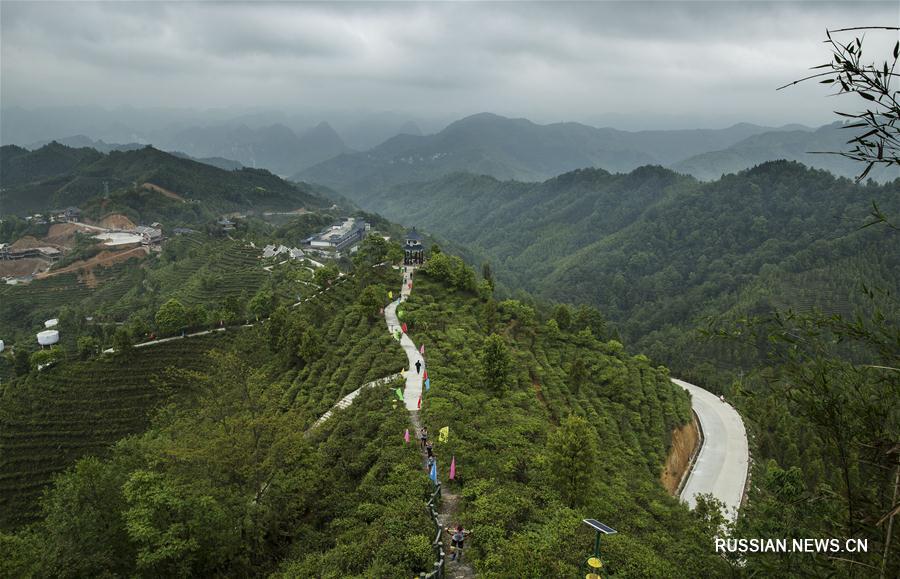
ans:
(57, 416)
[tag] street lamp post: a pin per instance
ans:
(594, 564)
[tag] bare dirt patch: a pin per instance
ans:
(102, 259)
(27, 242)
(684, 442)
(63, 234)
(164, 192)
(18, 267)
(116, 221)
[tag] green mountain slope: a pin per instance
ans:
(20, 166)
(58, 176)
(653, 250)
(571, 401)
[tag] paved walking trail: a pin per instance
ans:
(348, 399)
(413, 389)
(411, 394)
(721, 466)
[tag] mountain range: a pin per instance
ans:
(522, 150)
(808, 147)
(274, 147)
(82, 141)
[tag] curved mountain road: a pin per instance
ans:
(721, 465)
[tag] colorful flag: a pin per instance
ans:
(406, 436)
(425, 375)
(422, 349)
(399, 394)
(419, 405)
(390, 295)
(403, 327)
(444, 434)
(453, 469)
(433, 474)
(427, 384)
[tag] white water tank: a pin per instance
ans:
(51, 323)
(48, 337)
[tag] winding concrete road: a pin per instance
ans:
(413, 389)
(721, 466)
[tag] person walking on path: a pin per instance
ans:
(429, 448)
(457, 538)
(423, 436)
(418, 366)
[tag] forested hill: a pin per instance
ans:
(657, 251)
(56, 176)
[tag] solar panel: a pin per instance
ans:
(600, 527)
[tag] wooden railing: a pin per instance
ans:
(438, 544)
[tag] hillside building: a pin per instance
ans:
(48, 253)
(67, 215)
(413, 250)
(283, 250)
(340, 236)
(149, 235)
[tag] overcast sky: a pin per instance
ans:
(666, 63)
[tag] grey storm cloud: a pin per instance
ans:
(718, 61)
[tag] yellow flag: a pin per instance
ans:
(444, 434)
(390, 295)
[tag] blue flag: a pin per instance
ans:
(427, 384)
(433, 474)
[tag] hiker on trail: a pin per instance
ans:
(429, 448)
(457, 537)
(418, 366)
(429, 464)
(423, 436)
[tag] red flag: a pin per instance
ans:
(453, 469)
(425, 375)
(403, 327)
(419, 405)
(422, 349)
